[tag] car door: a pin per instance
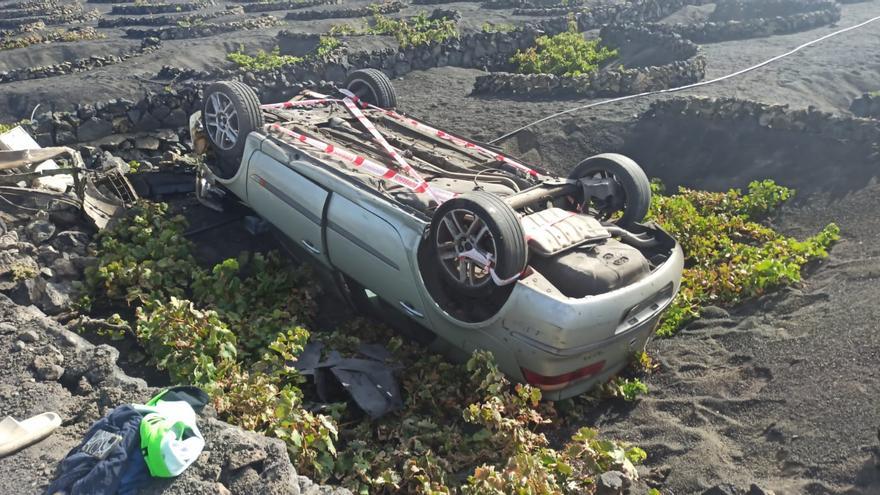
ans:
(375, 251)
(289, 201)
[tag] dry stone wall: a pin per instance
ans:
(476, 50)
(203, 29)
(156, 8)
(628, 11)
(530, 4)
(545, 11)
(307, 15)
(166, 20)
(779, 117)
(731, 142)
(165, 109)
(867, 105)
(285, 5)
(685, 66)
(60, 14)
(738, 10)
(80, 65)
(736, 21)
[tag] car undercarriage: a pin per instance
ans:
(464, 225)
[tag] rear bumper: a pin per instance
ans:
(551, 335)
(614, 355)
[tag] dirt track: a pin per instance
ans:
(785, 391)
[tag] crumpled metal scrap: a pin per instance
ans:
(102, 194)
(370, 382)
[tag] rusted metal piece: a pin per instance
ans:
(106, 196)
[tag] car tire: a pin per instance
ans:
(632, 179)
(373, 87)
(453, 222)
(231, 111)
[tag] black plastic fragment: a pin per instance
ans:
(369, 382)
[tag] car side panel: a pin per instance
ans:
(372, 251)
(237, 184)
(291, 202)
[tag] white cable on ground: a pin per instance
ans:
(689, 86)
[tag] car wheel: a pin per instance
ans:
(230, 112)
(634, 196)
(476, 232)
(373, 87)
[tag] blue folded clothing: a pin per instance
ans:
(98, 465)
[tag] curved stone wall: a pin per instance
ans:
(682, 64)
(531, 4)
(203, 30)
(307, 15)
(61, 14)
(801, 16)
(286, 5)
(740, 10)
(778, 117)
(40, 8)
(627, 11)
(867, 105)
(155, 8)
(545, 11)
(730, 142)
(166, 20)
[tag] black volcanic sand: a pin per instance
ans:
(784, 391)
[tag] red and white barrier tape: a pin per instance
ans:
(374, 168)
(349, 103)
(414, 182)
(298, 103)
(463, 143)
(487, 262)
(448, 137)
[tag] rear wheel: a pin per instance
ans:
(631, 188)
(231, 111)
(373, 87)
(474, 235)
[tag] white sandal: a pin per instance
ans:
(15, 435)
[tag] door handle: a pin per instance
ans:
(411, 310)
(311, 247)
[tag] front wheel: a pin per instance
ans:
(620, 186)
(478, 242)
(230, 112)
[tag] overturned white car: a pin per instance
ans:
(469, 247)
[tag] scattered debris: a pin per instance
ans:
(106, 196)
(33, 170)
(17, 139)
(370, 382)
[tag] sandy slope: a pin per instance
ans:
(827, 76)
